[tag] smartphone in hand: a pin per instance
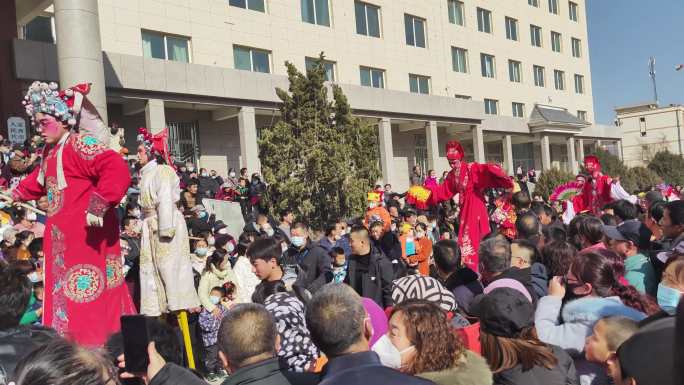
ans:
(136, 338)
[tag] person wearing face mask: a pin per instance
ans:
(311, 258)
(376, 212)
(420, 341)
(28, 222)
(257, 188)
(201, 221)
(199, 256)
(208, 186)
(421, 259)
(210, 323)
(216, 273)
(670, 291)
(592, 290)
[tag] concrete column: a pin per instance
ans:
(155, 117)
(478, 144)
(545, 152)
(249, 148)
(79, 50)
(386, 150)
(508, 155)
(580, 150)
(432, 143)
(620, 153)
(572, 161)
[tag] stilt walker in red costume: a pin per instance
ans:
(597, 190)
(83, 181)
(469, 181)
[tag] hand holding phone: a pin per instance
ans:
(136, 340)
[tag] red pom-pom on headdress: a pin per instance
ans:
(454, 150)
(157, 143)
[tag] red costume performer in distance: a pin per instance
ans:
(469, 180)
(83, 180)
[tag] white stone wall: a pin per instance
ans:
(214, 27)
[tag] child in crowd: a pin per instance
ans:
(222, 297)
(609, 333)
(339, 264)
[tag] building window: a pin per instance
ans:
(576, 47)
(316, 12)
(41, 28)
(579, 84)
(534, 3)
(459, 59)
(367, 19)
(329, 66)
(553, 6)
(536, 35)
(484, 20)
(161, 46)
(456, 14)
(372, 77)
(518, 110)
(254, 5)
(572, 9)
(251, 59)
(419, 84)
(582, 115)
(556, 39)
(559, 79)
(415, 30)
(488, 65)
(491, 106)
(511, 29)
(515, 71)
(538, 76)
(464, 97)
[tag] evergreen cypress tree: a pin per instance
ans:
(318, 159)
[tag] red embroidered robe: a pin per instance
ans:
(84, 291)
(470, 181)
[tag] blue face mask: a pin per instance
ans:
(297, 241)
(202, 214)
(668, 298)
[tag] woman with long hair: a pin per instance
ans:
(217, 273)
(511, 346)
(423, 343)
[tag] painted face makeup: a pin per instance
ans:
(50, 129)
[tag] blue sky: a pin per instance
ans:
(622, 36)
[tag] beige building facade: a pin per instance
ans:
(510, 79)
(649, 129)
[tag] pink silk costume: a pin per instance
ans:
(470, 181)
(84, 290)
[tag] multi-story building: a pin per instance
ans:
(648, 129)
(510, 79)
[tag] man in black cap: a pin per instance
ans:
(627, 240)
(647, 357)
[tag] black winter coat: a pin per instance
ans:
(377, 282)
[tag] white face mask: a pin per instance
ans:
(30, 216)
(232, 175)
(268, 230)
(211, 241)
(34, 277)
(214, 299)
(389, 354)
(230, 247)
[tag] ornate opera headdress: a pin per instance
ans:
(157, 144)
(454, 150)
(592, 164)
(72, 107)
